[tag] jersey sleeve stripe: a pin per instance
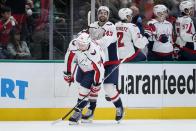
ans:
(70, 59)
(97, 73)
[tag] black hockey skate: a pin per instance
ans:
(119, 114)
(88, 117)
(74, 119)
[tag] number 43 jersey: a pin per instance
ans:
(107, 42)
(129, 35)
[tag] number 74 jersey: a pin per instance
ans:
(108, 41)
(129, 35)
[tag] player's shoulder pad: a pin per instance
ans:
(109, 26)
(94, 24)
(132, 24)
(134, 28)
(186, 19)
(167, 22)
(72, 45)
(93, 52)
(109, 23)
(72, 42)
(96, 47)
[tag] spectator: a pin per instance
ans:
(21, 10)
(146, 8)
(114, 6)
(137, 18)
(40, 35)
(2, 4)
(7, 22)
(18, 48)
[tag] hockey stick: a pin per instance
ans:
(72, 76)
(89, 18)
(73, 73)
(121, 61)
(75, 106)
(65, 116)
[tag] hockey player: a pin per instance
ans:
(185, 29)
(159, 33)
(108, 42)
(130, 40)
(90, 71)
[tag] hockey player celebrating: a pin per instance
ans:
(106, 38)
(130, 40)
(159, 33)
(90, 71)
(185, 29)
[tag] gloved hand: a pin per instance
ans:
(96, 33)
(146, 35)
(67, 77)
(96, 87)
(163, 38)
(176, 53)
(150, 29)
(107, 98)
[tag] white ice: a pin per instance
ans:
(126, 125)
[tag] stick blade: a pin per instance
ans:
(56, 121)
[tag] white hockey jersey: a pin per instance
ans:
(160, 28)
(109, 41)
(91, 59)
(129, 35)
(185, 30)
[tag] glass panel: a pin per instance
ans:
(62, 27)
(69, 18)
(80, 12)
(38, 28)
(39, 37)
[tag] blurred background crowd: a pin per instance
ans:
(29, 27)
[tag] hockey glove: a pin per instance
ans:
(150, 29)
(176, 53)
(96, 33)
(107, 98)
(163, 38)
(67, 77)
(96, 87)
(146, 35)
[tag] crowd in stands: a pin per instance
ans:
(24, 28)
(20, 19)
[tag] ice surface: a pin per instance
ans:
(126, 125)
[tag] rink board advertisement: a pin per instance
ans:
(148, 88)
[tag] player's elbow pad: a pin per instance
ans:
(141, 43)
